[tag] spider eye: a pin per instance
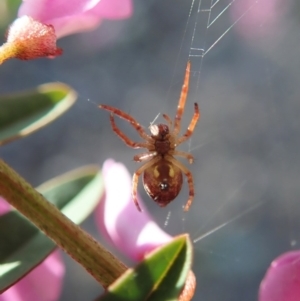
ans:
(163, 186)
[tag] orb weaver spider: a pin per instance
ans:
(162, 173)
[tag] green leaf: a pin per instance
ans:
(159, 277)
(25, 112)
(8, 14)
(22, 245)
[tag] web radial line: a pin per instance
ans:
(226, 31)
(228, 222)
(195, 28)
(181, 45)
(195, 24)
(220, 208)
(220, 13)
(209, 14)
(186, 26)
(213, 5)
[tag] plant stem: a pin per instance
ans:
(82, 247)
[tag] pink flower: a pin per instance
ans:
(134, 233)
(42, 22)
(282, 280)
(4, 206)
(256, 18)
(74, 16)
(44, 283)
(28, 39)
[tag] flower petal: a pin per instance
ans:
(257, 18)
(29, 39)
(70, 17)
(282, 280)
(44, 283)
(114, 9)
(133, 232)
(4, 206)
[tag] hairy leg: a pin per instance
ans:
(144, 156)
(185, 155)
(129, 119)
(192, 125)
(135, 180)
(190, 180)
(124, 137)
(169, 121)
(182, 99)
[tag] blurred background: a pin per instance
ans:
(245, 77)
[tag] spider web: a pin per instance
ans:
(244, 215)
(203, 31)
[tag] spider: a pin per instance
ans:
(162, 173)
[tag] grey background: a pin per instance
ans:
(246, 144)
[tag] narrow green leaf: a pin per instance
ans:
(160, 277)
(76, 193)
(9, 14)
(22, 245)
(25, 112)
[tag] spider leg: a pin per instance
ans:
(128, 118)
(192, 125)
(182, 99)
(168, 120)
(190, 180)
(135, 179)
(186, 155)
(126, 140)
(144, 156)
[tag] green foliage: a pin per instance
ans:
(159, 277)
(8, 12)
(22, 245)
(25, 112)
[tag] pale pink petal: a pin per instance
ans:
(69, 25)
(134, 233)
(282, 280)
(114, 9)
(44, 283)
(257, 17)
(4, 206)
(69, 17)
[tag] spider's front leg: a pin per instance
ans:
(129, 119)
(182, 99)
(126, 139)
(192, 125)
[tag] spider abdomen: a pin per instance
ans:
(163, 182)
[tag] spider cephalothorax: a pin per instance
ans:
(162, 173)
(160, 133)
